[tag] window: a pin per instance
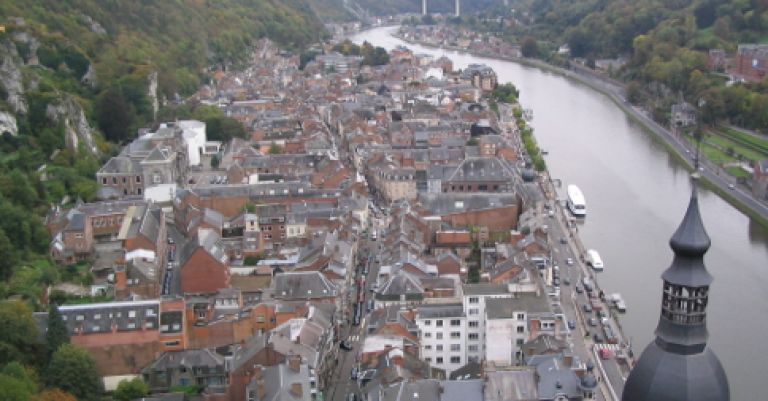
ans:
(131, 313)
(427, 322)
(149, 325)
(125, 180)
(474, 300)
(474, 311)
(474, 323)
(472, 348)
(131, 325)
(455, 334)
(138, 178)
(521, 316)
(439, 336)
(427, 347)
(138, 191)
(439, 323)
(455, 347)
(429, 360)
(260, 319)
(97, 316)
(519, 341)
(438, 347)
(427, 335)
(104, 180)
(80, 317)
(455, 359)
(473, 336)
(439, 359)
(114, 180)
(521, 329)
(78, 235)
(455, 322)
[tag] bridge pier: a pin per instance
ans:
(423, 7)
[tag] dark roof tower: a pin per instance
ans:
(678, 365)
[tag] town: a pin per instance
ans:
(384, 232)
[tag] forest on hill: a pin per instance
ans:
(665, 44)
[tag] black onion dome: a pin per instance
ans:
(691, 238)
(665, 376)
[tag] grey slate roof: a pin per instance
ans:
(481, 169)
(440, 311)
(555, 378)
(505, 308)
(190, 358)
(445, 203)
(485, 289)
(464, 390)
(121, 165)
(303, 285)
(208, 240)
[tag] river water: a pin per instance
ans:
(636, 196)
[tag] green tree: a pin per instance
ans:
(529, 47)
(57, 331)
(115, 115)
(73, 370)
(128, 390)
(252, 260)
(13, 389)
(215, 161)
(223, 128)
(275, 149)
(18, 337)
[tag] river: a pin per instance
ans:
(636, 196)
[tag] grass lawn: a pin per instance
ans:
(737, 172)
(712, 153)
(758, 143)
(725, 143)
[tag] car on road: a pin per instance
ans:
(605, 353)
(556, 282)
(345, 345)
(578, 289)
(597, 338)
(569, 261)
(572, 325)
(170, 265)
(731, 186)
(170, 240)
(353, 374)
(566, 281)
(563, 240)
(592, 322)
(587, 308)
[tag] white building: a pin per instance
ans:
(510, 322)
(474, 301)
(442, 335)
(193, 134)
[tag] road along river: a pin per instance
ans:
(636, 195)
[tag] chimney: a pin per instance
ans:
(120, 280)
(296, 389)
(568, 360)
(294, 362)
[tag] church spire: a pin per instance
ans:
(678, 365)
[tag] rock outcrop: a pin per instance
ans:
(77, 130)
(11, 78)
(8, 124)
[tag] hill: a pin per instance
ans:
(392, 7)
(665, 44)
(79, 77)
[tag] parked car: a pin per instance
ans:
(592, 322)
(572, 325)
(353, 374)
(569, 261)
(566, 281)
(345, 345)
(587, 308)
(578, 289)
(597, 338)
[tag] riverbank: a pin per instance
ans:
(723, 186)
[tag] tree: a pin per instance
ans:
(529, 47)
(215, 161)
(73, 370)
(128, 390)
(57, 331)
(275, 149)
(222, 128)
(18, 337)
(252, 260)
(55, 394)
(115, 115)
